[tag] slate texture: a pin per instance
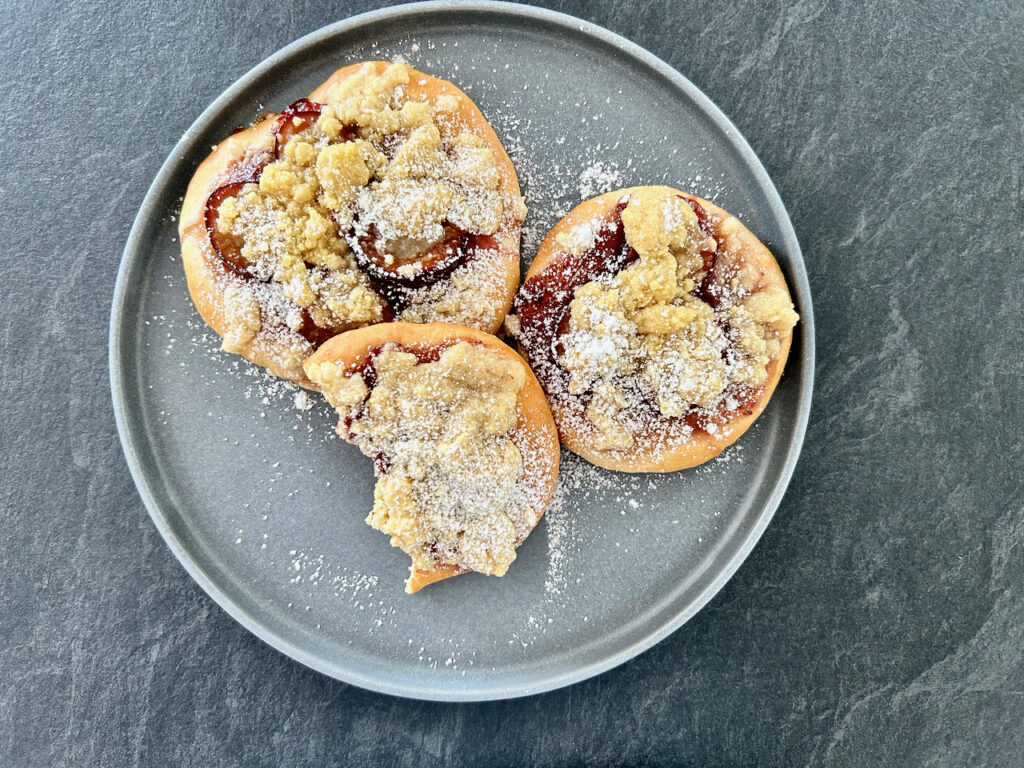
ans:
(879, 621)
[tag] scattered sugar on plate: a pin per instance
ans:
(599, 177)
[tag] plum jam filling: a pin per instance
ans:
(296, 117)
(542, 304)
(227, 245)
(416, 269)
(706, 291)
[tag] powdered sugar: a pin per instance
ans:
(461, 476)
(581, 238)
(371, 174)
(594, 510)
(599, 177)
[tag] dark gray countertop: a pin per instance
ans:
(879, 621)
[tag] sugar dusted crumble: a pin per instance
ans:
(447, 466)
(374, 167)
(648, 341)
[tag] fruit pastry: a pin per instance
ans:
(462, 441)
(385, 195)
(658, 326)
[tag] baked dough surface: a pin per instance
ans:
(478, 292)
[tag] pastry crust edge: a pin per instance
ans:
(649, 454)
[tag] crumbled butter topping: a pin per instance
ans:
(644, 332)
(447, 467)
(374, 164)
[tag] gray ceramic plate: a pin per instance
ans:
(265, 508)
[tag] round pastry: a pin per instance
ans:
(658, 326)
(384, 195)
(462, 440)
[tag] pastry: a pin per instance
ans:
(384, 195)
(462, 440)
(658, 326)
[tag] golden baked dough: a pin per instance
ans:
(659, 326)
(464, 446)
(433, 181)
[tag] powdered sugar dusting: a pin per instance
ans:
(298, 526)
(599, 177)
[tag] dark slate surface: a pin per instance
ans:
(879, 621)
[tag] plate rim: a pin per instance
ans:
(797, 275)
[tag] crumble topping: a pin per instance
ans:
(447, 467)
(374, 165)
(645, 333)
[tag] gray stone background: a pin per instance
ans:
(879, 621)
